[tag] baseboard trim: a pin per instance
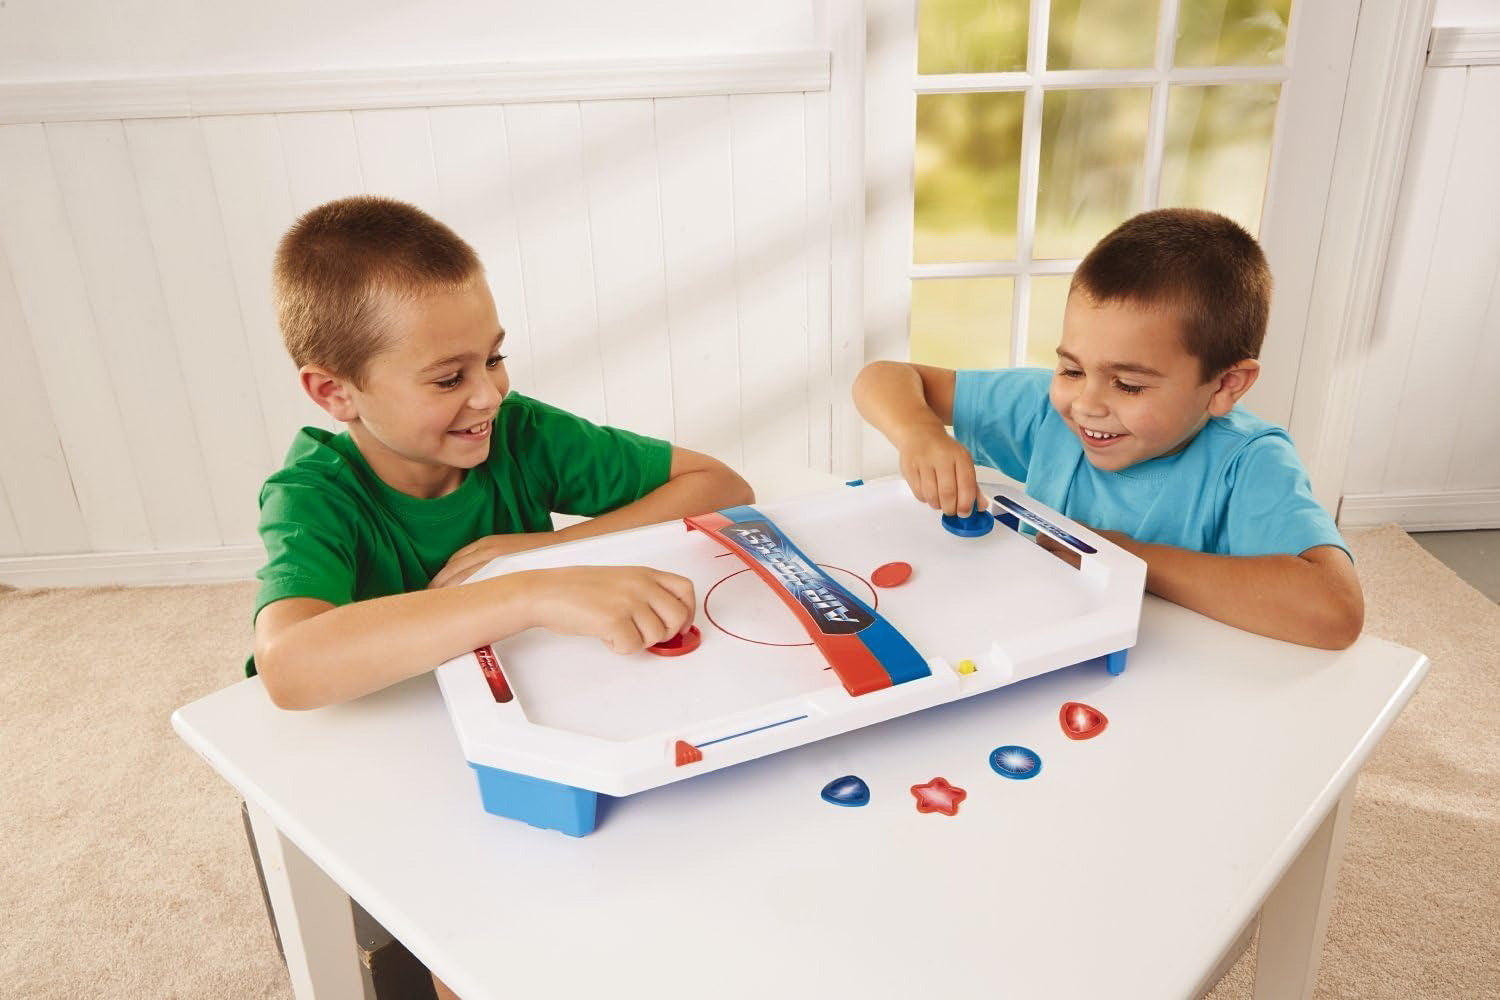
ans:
(134, 569)
(1457, 510)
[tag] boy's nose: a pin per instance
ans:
(1091, 400)
(486, 395)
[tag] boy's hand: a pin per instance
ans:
(626, 607)
(940, 471)
(472, 557)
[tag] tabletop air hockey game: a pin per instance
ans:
(816, 616)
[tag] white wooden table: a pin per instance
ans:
(1125, 869)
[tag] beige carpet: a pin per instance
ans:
(124, 873)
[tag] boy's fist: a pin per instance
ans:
(940, 472)
(626, 607)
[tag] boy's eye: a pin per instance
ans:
(494, 361)
(1128, 387)
(451, 382)
(1069, 372)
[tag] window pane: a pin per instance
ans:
(1232, 32)
(1093, 159)
(1218, 149)
(961, 322)
(971, 36)
(1102, 34)
(967, 170)
(1049, 295)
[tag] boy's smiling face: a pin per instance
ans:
(425, 413)
(1127, 386)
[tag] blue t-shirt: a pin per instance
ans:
(1237, 489)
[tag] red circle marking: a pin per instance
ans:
(678, 645)
(892, 574)
(874, 606)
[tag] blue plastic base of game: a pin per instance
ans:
(547, 804)
(1115, 662)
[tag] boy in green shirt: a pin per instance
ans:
(387, 315)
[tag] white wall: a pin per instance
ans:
(1465, 13)
(103, 39)
(1426, 451)
(662, 262)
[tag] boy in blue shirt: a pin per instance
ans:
(386, 313)
(1136, 432)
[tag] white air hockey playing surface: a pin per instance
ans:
(979, 612)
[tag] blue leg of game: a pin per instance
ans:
(1115, 662)
(546, 804)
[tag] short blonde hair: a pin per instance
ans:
(337, 265)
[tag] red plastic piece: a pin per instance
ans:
(892, 574)
(678, 645)
(938, 796)
(489, 663)
(687, 753)
(1080, 721)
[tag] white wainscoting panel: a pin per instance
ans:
(133, 331)
(770, 231)
(697, 207)
(557, 268)
(82, 409)
(205, 321)
(659, 262)
(42, 512)
(322, 158)
(630, 274)
(1426, 426)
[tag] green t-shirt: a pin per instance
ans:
(335, 531)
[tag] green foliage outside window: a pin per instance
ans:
(1216, 150)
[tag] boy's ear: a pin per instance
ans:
(329, 391)
(1233, 383)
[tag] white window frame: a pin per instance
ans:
(1037, 80)
(1339, 219)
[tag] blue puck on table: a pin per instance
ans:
(1015, 762)
(969, 525)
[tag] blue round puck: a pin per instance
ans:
(1015, 762)
(970, 525)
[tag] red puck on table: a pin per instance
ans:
(892, 574)
(685, 642)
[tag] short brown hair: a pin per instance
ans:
(1199, 263)
(337, 263)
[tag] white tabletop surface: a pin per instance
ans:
(1122, 870)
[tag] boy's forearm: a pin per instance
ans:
(695, 492)
(362, 647)
(1280, 596)
(890, 396)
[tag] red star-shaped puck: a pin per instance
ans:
(1080, 721)
(938, 796)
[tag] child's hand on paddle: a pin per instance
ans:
(626, 607)
(940, 472)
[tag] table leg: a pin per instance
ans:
(1295, 915)
(313, 916)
